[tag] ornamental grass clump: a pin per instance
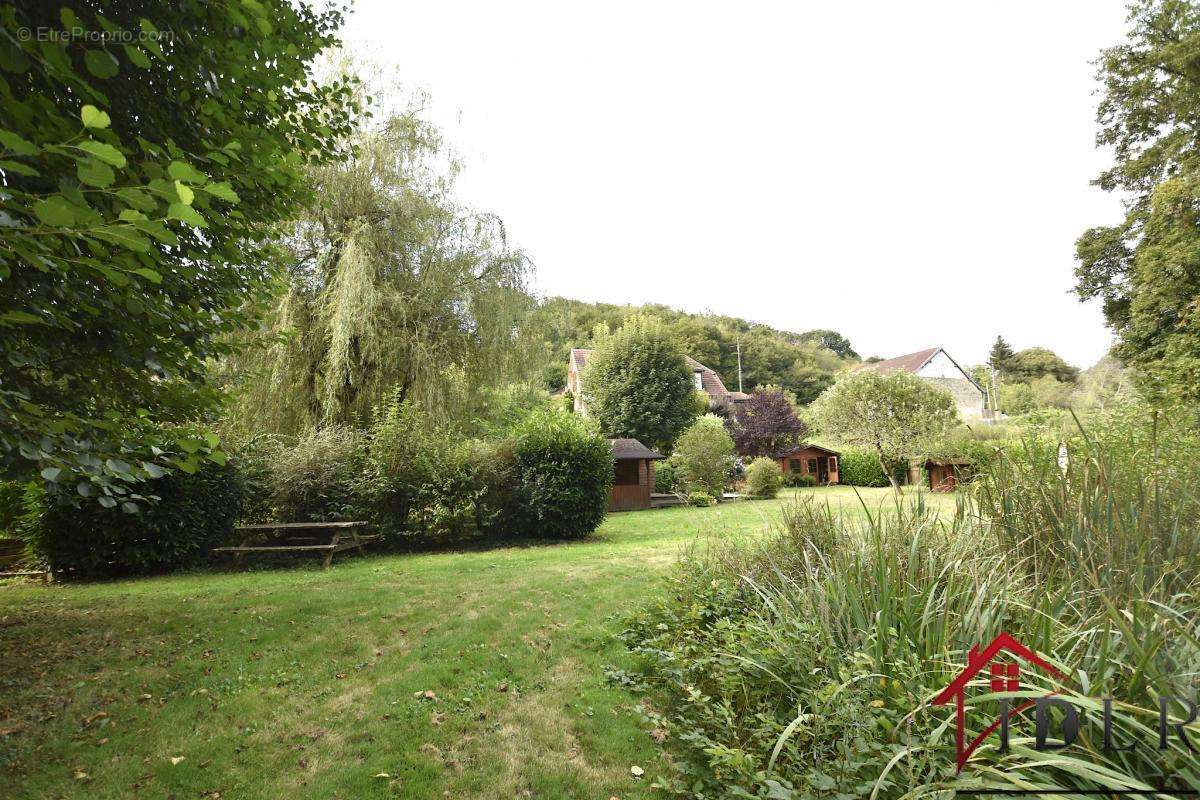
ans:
(804, 664)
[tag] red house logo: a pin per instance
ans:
(1005, 677)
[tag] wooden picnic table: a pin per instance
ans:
(326, 537)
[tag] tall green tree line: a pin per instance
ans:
(1146, 268)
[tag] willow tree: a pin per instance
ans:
(394, 287)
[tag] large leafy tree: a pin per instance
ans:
(638, 385)
(1146, 269)
(145, 158)
(766, 424)
(1037, 362)
(392, 287)
(832, 341)
(895, 415)
(703, 455)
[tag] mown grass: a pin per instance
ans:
(302, 683)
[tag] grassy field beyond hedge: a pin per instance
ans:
(465, 674)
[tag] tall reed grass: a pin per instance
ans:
(804, 665)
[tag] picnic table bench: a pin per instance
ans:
(326, 537)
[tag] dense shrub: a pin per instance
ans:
(798, 479)
(701, 499)
(10, 506)
(422, 482)
(763, 478)
(704, 456)
(316, 479)
(564, 471)
(666, 477)
(802, 665)
(193, 514)
(858, 467)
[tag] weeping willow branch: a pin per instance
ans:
(394, 287)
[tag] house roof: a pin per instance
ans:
(907, 363)
(914, 362)
(631, 448)
(709, 379)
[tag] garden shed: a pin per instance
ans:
(812, 459)
(946, 473)
(633, 475)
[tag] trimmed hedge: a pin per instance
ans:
(564, 471)
(194, 513)
(857, 467)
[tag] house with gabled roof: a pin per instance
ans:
(707, 381)
(935, 365)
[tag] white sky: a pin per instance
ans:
(910, 174)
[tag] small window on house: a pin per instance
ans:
(699, 380)
(812, 465)
(794, 465)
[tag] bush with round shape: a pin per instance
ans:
(666, 477)
(193, 514)
(637, 384)
(564, 470)
(701, 499)
(703, 456)
(763, 478)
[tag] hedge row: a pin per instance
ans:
(860, 468)
(418, 485)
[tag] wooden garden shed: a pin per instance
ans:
(633, 475)
(812, 459)
(946, 473)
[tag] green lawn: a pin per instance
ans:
(305, 683)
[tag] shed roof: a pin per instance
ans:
(631, 448)
(802, 448)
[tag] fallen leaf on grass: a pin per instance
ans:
(176, 759)
(10, 731)
(87, 721)
(437, 719)
(382, 775)
(637, 771)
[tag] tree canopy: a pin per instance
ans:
(1000, 354)
(896, 415)
(1146, 269)
(802, 363)
(766, 424)
(1037, 362)
(638, 385)
(392, 287)
(142, 180)
(703, 455)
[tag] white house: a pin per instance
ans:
(937, 367)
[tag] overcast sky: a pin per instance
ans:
(910, 174)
